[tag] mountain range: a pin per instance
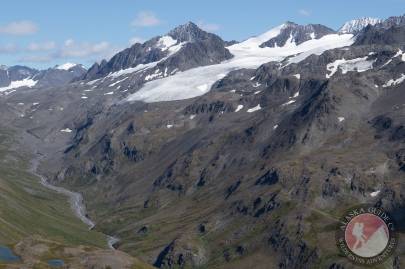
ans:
(196, 152)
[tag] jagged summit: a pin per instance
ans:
(188, 32)
(356, 25)
(295, 33)
(393, 21)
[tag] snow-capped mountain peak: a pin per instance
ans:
(256, 41)
(355, 26)
(66, 66)
(294, 33)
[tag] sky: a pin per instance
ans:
(45, 33)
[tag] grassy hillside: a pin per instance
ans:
(27, 208)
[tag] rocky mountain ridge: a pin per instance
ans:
(252, 171)
(14, 77)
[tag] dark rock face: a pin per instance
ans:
(231, 189)
(389, 32)
(381, 123)
(298, 34)
(376, 35)
(296, 254)
(130, 57)
(164, 260)
(400, 158)
(54, 77)
(215, 107)
(190, 32)
(132, 153)
(269, 178)
(393, 21)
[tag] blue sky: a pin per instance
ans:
(49, 32)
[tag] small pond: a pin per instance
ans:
(7, 255)
(56, 263)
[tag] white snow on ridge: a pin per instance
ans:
(248, 54)
(165, 42)
(393, 82)
(141, 67)
(153, 76)
(27, 82)
(66, 66)
(357, 64)
(358, 24)
(256, 41)
(117, 82)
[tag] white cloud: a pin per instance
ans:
(209, 27)
(45, 46)
(36, 59)
(136, 39)
(68, 51)
(145, 19)
(8, 48)
(19, 28)
(84, 49)
(304, 12)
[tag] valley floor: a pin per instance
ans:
(37, 224)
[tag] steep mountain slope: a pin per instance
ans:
(59, 75)
(245, 162)
(298, 145)
(388, 32)
(184, 47)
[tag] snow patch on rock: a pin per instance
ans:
(67, 130)
(375, 193)
(27, 82)
(393, 82)
(239, 108)
(254, 109)
(357, 64)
